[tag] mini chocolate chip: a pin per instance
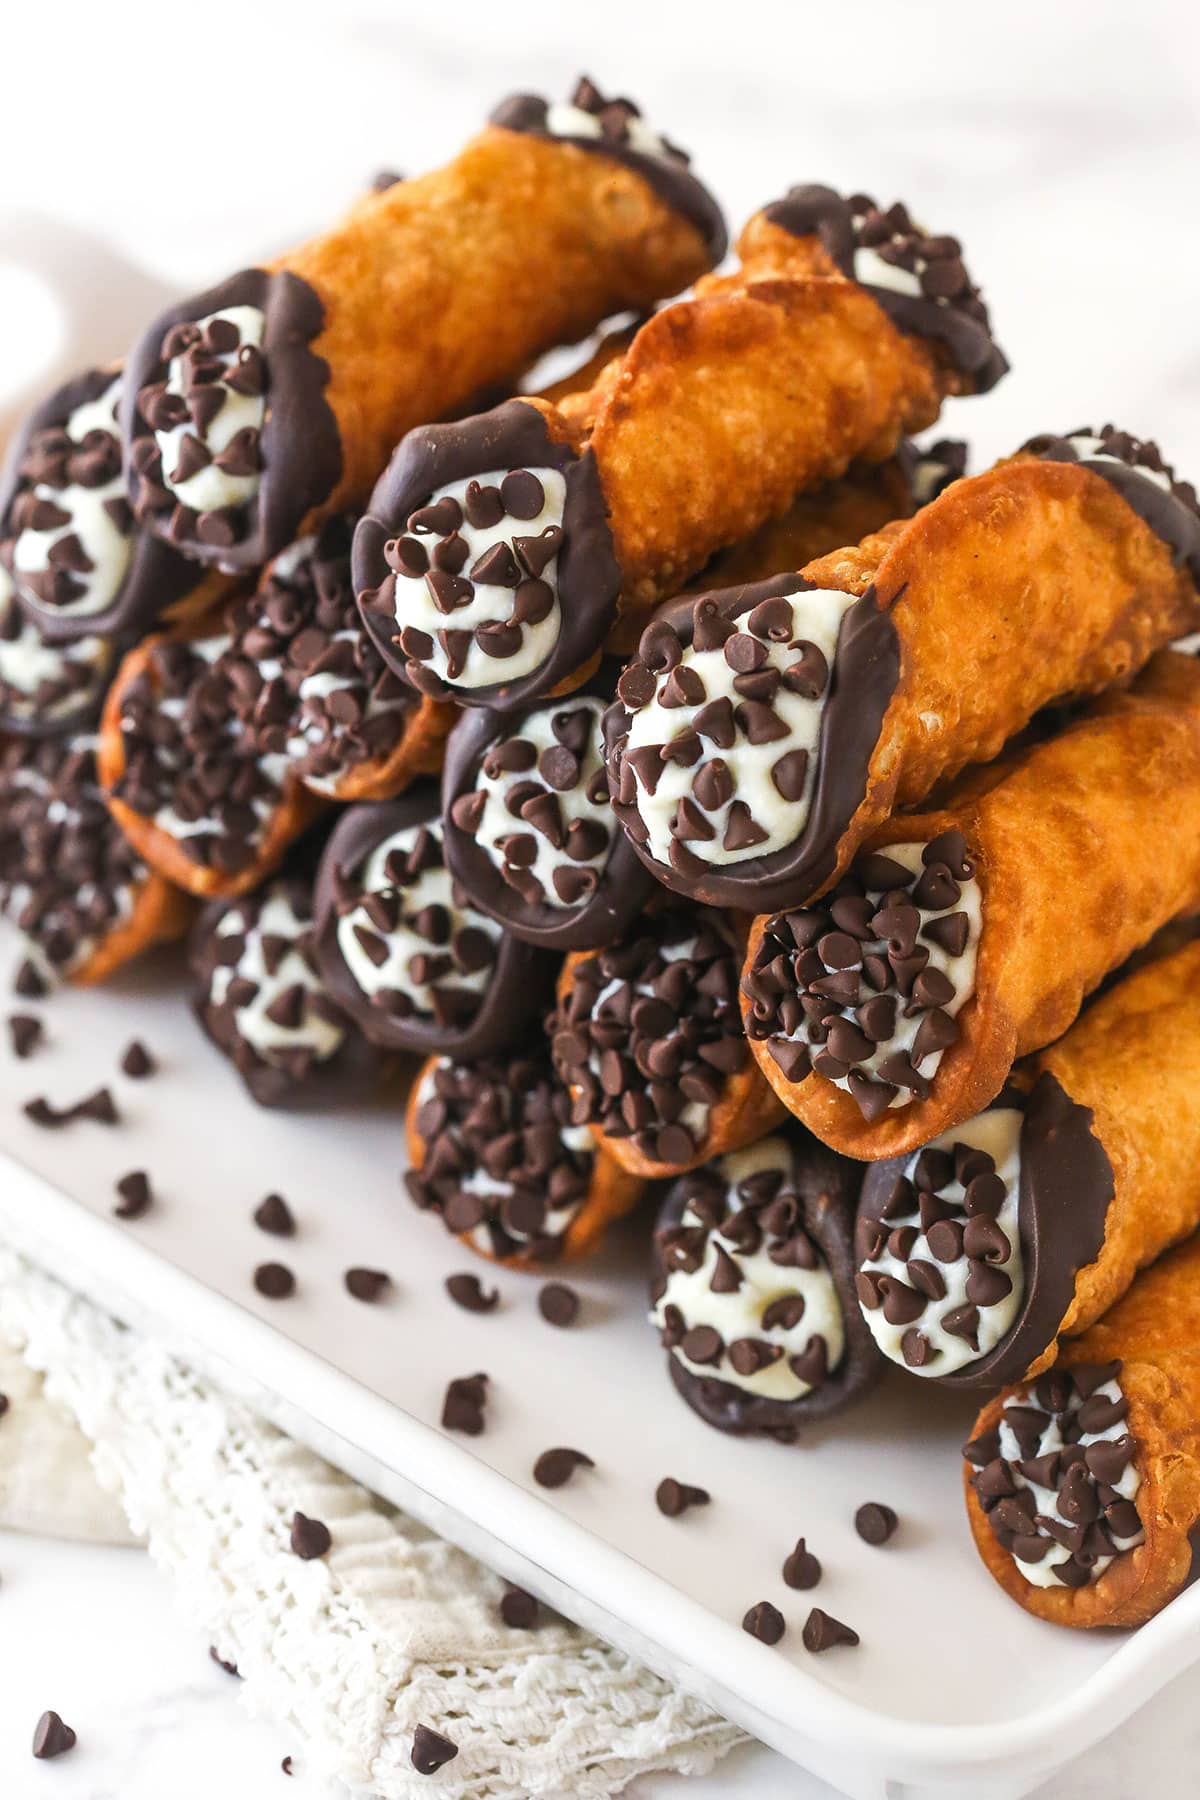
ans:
(822, 1632)
(51, 1737)
(463, 1406)
(274, 1215)
(466, 1291)
(674, 1497)
(136, 1195)
(558, 1303)
(310, 1538)
(25, 1032)
(874, 1522)
(764, 1622)
(554, 1468)
(229, 1667)
(367, 1284)
(431, 1751)
(137, 1061)
(518, 1609)
(29, 982)
(274, 1281)
(801, 1569)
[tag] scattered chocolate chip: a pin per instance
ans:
(431, 1751)
(875, 1523)
(519, 1609)
(554, 1468)
(674, 1497)
(801, 1569)
(29, 982)
(274, 1215)
(764, 1622)
(25, 1033)
(99, 1107)
(467, 1291)
(286, 1765)
(463, 1406)
(136, 1196)
(558, 1303)
(367, 1284)
(822, 1632)
(5, 1403)
(274, 1281)
(51, 1737)
(229, 1667)
(310, 1538)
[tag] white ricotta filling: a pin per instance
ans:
(106, 547)
(275, 919)
(210, 488)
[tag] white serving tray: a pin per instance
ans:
(952, 1685)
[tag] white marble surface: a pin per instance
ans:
(1059, 141)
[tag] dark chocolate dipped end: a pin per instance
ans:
(615, 128)
(48, 689)
(401, 947)
(528, 823)
(917, 277)
(1135, 467)
(484, 566)
(753, 1288)
(229, 438)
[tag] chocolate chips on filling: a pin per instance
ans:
(649, 1034)
(540, 806)
(67, 875)
(1058, 1478)
(69, 527)
(1137, 469)
(191, 764)
(747, 1297)
(941, 1271)
(863, 987)
(203, 458)
(472, 584)
(503, 1165)
(44, 686)
(719, 758)
(409, 937)
(262, 996)
(326, 700)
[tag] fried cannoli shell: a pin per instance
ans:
(297, 810)
(745, 1111)
(1087, 847)
(161, 914)
(1155, 1333)
(614, 1191)
(425, 293)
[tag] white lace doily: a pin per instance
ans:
(394, 1628)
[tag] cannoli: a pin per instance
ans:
(261, 998)
(183, 776)
(71, 883)
(753, 1287)
(403, 950)
(47, 690)
(892, 1009)
(258, 408)
(81, 566)
(648, 1038)
(492, 1150)
(529, 831)
(497, 551)
(1083, 1489)
(885, 668)
(1026, 1223)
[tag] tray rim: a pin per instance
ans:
(421, 1470)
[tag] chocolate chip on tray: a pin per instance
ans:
(554, 1468)
(25, 1034)
(467, 1291)
(674, 1497)
(367, 1284)
(135, 1194)
(463, 1407)
(874, 1523)
(431, 1751)
(821, 1632)
(274, 1281)
(99, 1106)
(29, 982)
(519, 1609)
(51, 1737)
(274, 1215)
(137, 1062)
(764, 1622)
(801, 1569)
(311, 1539)
(558, 1303)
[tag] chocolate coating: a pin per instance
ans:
(300, 441)
(157, 577)
(1172, 514)
(521, 980)
(669, 175)
(811, 210)
(863, 679)
(827, 1186)
(1065, 1193)
(511, 436)
(624, 885)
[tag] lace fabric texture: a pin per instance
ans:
(394, 1628)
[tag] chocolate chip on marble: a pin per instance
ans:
(823, 1632)
(274, 1216)
(554, 1468)
(467, 1291)
(675, 1497)
(29, 982)
(136, 1195)
(764, 1622)
(99, 1106)
(801, 1569)
(558, 1303)
(25, 1034)
(52, 1737)
(311, 1539)
(875, 1523)
(368, 1285)
(464, 1405)
(137, 1062)
(274, 1281)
